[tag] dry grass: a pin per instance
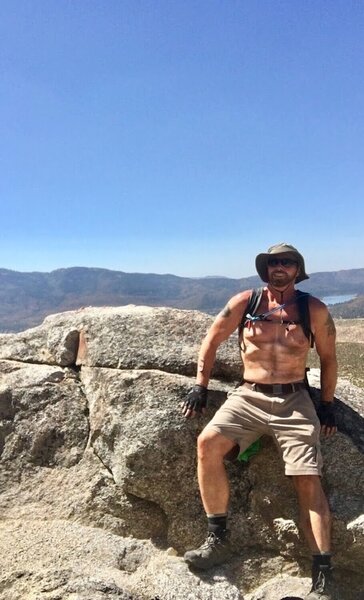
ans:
(350, 330)
(350, 350)
(350, 357)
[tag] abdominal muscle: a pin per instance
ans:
(273, 352)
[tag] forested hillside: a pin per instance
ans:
(26, 298)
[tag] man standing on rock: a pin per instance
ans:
(272, 399)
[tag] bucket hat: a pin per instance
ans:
(261, 261)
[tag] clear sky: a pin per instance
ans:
(181, 136)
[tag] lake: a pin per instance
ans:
(337, 299)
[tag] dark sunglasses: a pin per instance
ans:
(285, 262)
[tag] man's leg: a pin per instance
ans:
(314, 512)
(212, 477)
(316, 525)
(215, 491)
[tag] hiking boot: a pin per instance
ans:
(322, 584)
(214, 551)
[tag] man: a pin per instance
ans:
(273, 399)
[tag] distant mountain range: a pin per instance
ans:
(26, 298)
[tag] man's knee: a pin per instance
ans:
(211, 444)
(207, 443)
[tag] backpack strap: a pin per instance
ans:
(252, 306)
(303, 299)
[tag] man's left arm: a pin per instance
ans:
(325, 338)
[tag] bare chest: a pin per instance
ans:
(282, 328)
(290, 335)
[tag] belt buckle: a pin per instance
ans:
(277, 389)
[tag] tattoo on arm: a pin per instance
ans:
(330, 325)
(226, 312)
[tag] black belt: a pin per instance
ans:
(277, 389)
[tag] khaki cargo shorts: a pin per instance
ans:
(290, 419)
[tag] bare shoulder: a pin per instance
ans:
(236, 304)
(229, 317)
(317, 305)
(241, 298)
(320, 315)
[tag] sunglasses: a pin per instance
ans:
(285, 262)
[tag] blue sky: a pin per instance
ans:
(181, 136)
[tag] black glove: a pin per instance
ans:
(326, 414)
(196, 399)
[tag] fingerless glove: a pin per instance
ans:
(196, 398)
(326, 414)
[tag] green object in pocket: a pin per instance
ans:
(249, 452)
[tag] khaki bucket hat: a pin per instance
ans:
(261, 261)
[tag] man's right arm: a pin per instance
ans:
(325, 337)
(224, 325)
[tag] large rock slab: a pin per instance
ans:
(43, 416)
(126, 337)
(92, 441)
(50, 560)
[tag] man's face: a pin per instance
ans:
(282, 270)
